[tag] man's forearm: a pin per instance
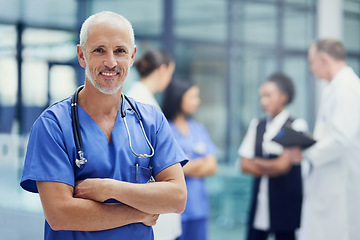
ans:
(154, 198)
(64, 212)
(166, 195)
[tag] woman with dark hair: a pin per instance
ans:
(277, 188)
(181, 100)
(155, 68)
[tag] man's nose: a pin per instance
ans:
(110, 60)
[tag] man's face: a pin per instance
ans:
(108, 56)
(316, 63)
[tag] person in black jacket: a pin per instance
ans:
(277, 187)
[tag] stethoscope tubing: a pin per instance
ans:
(77, 134)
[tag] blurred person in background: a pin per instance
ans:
(156, 68)
(331, 208)
(277, 186)
(114, 193)
(181, 100)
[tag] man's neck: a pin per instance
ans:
(97, 103)
(336, 67)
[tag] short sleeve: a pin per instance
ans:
(167, 151)
(247, 147)
(46, 157)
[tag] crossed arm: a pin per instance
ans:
(81, 209)
(259, 166)
(201, 167)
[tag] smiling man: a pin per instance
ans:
(108, 194)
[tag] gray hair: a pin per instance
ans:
(332, 47)
(105, 17)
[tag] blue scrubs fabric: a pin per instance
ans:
(195, 145)
(51, 155)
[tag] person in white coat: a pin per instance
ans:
(331, 208)
(156, 68)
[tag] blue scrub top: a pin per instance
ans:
(51, 155)
(197, 144)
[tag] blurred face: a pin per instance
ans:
(316, 61)
(165, 75)
(108, 56)
(190, 100)
(272, 99)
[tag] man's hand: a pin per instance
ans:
(92, 188)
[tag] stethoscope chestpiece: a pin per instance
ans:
(80, 162)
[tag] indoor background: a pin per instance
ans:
(227, 47)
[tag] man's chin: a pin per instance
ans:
(109, 90)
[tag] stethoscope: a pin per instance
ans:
(77, 135)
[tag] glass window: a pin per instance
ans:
(202, 19)
(302, 2)
(354, 63)
(209, 73)
(259, 24)
(10, 40)
(51, 13)
(8, 65)
(10, 10)
(352, 6)
(257, 67)
(296, 68)
(297, 28)
(51, 45)
(145, 16)
(62, 82)
(35, 83)
(8, 81)
(351, 37)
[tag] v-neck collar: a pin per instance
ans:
(97, 127)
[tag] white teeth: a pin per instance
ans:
(109, 74)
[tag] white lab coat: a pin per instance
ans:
(141, 93)
(168, 226)
(331, 209)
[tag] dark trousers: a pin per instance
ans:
(254, 234)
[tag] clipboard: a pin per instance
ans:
(288, 137)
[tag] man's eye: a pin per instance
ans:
(120, 50)
(98, 50)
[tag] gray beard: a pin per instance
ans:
(97, 85)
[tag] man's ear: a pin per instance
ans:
(325, 58)
(81, 56)
(133, 55)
